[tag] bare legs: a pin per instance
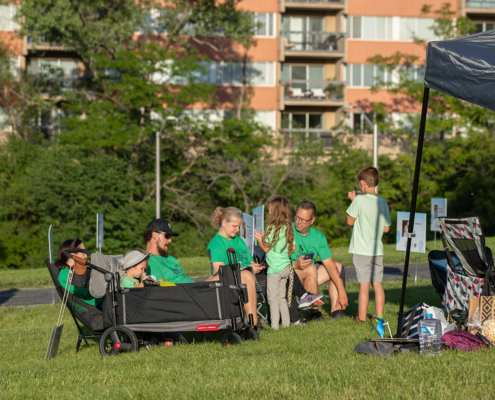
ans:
(333, 293)
(364, 299)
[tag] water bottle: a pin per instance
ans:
(430, 336)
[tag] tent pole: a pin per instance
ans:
(417, 169)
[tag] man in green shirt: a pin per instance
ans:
(311, 241)
(165, 268)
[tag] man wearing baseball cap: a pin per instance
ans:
(157, 237)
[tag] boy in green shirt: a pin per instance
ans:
(370, 217)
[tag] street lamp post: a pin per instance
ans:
(158, 184)
(373, 126)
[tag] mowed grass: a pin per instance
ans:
(200, 266)
(315, 362)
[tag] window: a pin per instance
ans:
(5, 125)
(15, 65)
(50, 67)
(224, 73)
(267, 23)
(366, 75)
(292, 121)
(267, 118)
(382, 28)
(7, 14)
(484, 26)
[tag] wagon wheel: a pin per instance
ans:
(231, 338)
(250, 334)
(117, 339)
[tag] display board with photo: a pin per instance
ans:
(438, 209)
(418, 243)
(259, 219)
(247, 232)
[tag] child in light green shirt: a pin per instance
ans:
(369, 217)
(278, 243)
(134, 264)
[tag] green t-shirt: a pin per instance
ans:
(217, 250)
(128, 282)
(313, 242)
(372, 215)
(276, 258)
(79, 292)
(168, 269)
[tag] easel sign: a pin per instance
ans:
(418, 243)
(99, 232)
(259, 219)
(438, 209)
(247, 232)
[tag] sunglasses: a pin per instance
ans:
(167, 235)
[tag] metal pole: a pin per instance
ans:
(375, 146)
(158, 174)
(414, 197)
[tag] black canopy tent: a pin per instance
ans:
(463, 68)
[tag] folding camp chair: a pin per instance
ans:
(466, 275)
(438, 263)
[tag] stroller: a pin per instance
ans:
(469, 273)
(129, 316)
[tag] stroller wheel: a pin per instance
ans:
(117, 339)
(231, 338)
(250, 334)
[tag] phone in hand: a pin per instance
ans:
(309, 256)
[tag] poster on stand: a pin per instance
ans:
(438, 209)
(418, 243)
(247, 232)
(259, 218)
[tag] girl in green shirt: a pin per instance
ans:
(278, 243)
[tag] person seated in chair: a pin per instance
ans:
(135, 264)
(65, 263)
(157, 237)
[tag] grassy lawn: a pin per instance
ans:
(200, 266)
(314, 361)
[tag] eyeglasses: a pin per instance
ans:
(299, 219)
(167, 235)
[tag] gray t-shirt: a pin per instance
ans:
(372, 215)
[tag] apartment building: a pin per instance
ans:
(311, 60)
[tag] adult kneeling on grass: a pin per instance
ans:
(157, 237)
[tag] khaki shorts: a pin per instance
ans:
(368, 268)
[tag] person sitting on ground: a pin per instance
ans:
(157, 237)
(228, 221)
(135, 264)
(369, 216)
(65, 263)
(278, 242)
(311, 241)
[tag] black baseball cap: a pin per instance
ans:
(161, 225)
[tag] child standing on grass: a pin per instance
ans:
(369, 216)
(278, 242)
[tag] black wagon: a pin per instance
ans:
(128, 317)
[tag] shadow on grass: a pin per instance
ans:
(423, 290)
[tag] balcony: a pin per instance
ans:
(57, 85)
(481, 8)
(480, 3)
(43, 44)
(298, 92)
(320, 5)
(293, 138)
(313, 44)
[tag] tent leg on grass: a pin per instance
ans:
(417, 170)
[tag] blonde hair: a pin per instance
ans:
(228, 214)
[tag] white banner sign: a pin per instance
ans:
(259, 218)
(418, 243)
(438, 209)
(247, 232)
(99, 231)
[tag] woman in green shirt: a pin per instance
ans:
(65, 263)
(228, 221)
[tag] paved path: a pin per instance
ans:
(33, 297)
